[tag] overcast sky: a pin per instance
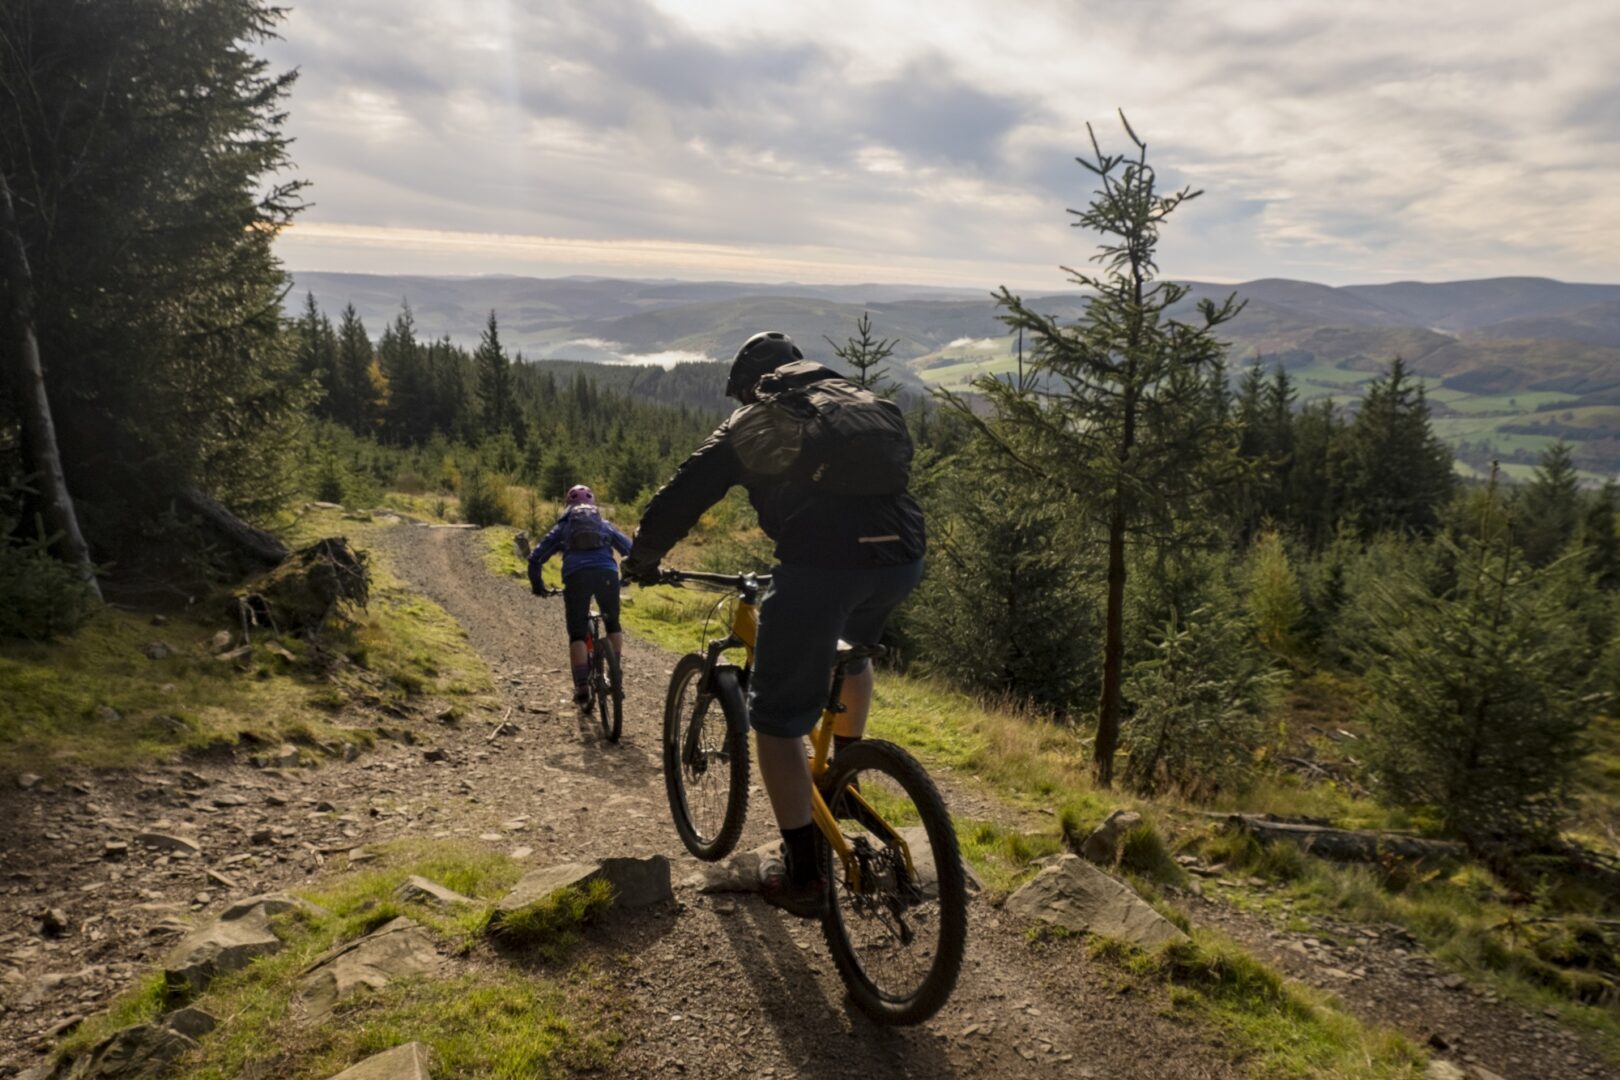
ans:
(934, 142)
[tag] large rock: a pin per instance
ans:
(1075, 895)
(267, 904)
(1102, 846)
(408, 1062)
(143, 1052)
(636, 883)
(230, 943)
(394, 950)
(227, 944)
(420, 890)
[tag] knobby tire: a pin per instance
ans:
(875, 756)
(609, 690)
(724, 726)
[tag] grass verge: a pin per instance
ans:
(483, 1018)
(96, 698)
(1285, 1029)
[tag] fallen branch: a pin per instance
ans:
(1344, 845)
(255, 542)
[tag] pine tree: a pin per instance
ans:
(1129, 424)
(494, 380)
(1399, 473)
(409, 416)
(1600, 537)
(1478, 702)
(1276, 605)
(633, 472)
(353, 397)
(560, 475)
(1550, 510)
(1005, 608)
(1316, 478)
(142, 143)
(864, 355)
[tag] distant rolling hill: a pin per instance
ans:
(1492, 351)
(1598, 324)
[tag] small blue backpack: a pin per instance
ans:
(584, 529)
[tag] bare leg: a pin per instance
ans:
(785, 767)
(618, 645)
(856, 697)
(576, 653)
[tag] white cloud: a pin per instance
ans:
(837, 139)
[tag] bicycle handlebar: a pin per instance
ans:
(727, 581)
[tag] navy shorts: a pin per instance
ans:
(578, 588)
(807, 610)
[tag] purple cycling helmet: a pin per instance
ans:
(579, 494)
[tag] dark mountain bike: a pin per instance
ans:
(896, 920)
(605, 682)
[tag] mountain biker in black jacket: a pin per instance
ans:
(846, 562)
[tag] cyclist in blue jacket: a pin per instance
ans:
(587, 541)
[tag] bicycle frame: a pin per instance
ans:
(743, 632)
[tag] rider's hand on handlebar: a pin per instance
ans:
(640, 572)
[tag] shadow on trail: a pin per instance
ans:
(816, 1034)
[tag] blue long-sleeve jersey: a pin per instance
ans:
(599, 558)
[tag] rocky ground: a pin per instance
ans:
(100, 874)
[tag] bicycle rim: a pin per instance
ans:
(898, 939)
(706, 778)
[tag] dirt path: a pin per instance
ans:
(726, 986)
(713, 986)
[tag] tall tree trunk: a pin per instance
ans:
(1102, 762)
(39, 430)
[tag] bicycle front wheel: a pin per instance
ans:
(706, 758)
(898, 935)
(609, 691)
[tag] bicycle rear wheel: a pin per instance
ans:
(706, 758)
(609, 690)
(898, 939)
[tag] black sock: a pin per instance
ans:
(800, 846)
(843, 742)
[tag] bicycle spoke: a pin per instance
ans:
(892, 922)
(705, 779)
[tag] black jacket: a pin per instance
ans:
(810, 527)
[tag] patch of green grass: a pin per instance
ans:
(496, 1024)
(1461, 914)
(1287, 1029)
(550, 925)
(1003, 857)
(490, 1021)
(56, 694)
(144, 1001)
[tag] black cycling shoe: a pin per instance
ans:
(807, 900)
(582, 696)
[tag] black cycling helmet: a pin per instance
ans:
(761, 354)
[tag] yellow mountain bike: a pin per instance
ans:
(896, 920)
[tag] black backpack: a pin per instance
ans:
(827, 433)
(584, 529)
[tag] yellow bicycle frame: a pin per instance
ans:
(744, 630)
